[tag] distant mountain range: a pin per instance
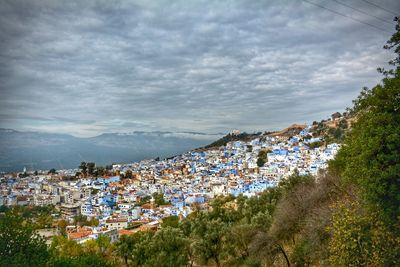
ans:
(42, 151)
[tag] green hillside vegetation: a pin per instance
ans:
(346, 216)
(332, 131)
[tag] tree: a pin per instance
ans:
(336, 133)
(62, 225)
(370, 157)
(101, 246)
(124, 248)
(210, 239)
(264, 204)
(291, 212)
(91, 166)
(87, 260)
(62, 247)
(144, 200)
(100, 171)
(159, 199)
(19, 245)
(128, 174)
(82, 220)
(109, 167)
(267, 250)
(262, 157)
(171, 221)
(378, 124)
(52, 171)
(260, 162)
(168, 248)
(44, 221)
(92, 222)
(291, 220)
(241, 236)
(360, 238)
(393, 43)
(83, 167)
(141, 252)
(365, 231)
(315, 144)
(93, 253)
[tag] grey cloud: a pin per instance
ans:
(86, 67)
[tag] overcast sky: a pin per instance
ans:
(88, 67)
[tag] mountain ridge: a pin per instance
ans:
(41, 150)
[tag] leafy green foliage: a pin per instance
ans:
(336, 134)
(140, 252)
(315, 144)
(52, 171)
(211, 242)
(83, 220)
(262, 158)
(83, 260)
(19, 245)
(159, 199)
(94, 253)
(37, 216)
(300, 256)
(370, 157)
(83, 168)
(90, 168)
(167, 248)
(360, 238)
(171, 221)
(365, 228)
(128, 174)
(124, 248)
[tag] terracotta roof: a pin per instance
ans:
(141, 221)
(78, 235)
(116, 220)
(22, 198)
(126, 232)
(147, 206)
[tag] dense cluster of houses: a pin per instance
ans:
(184, 181)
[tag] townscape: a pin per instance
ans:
(141, 194)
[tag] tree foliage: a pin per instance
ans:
(93, 253)
(360, 238)
(370, 157)
(171, 221)
(262, 158)
(19, 244)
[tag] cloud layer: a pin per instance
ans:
(86, 67)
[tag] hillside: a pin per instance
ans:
(289, 131)
(334, 129)
(231, 137)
